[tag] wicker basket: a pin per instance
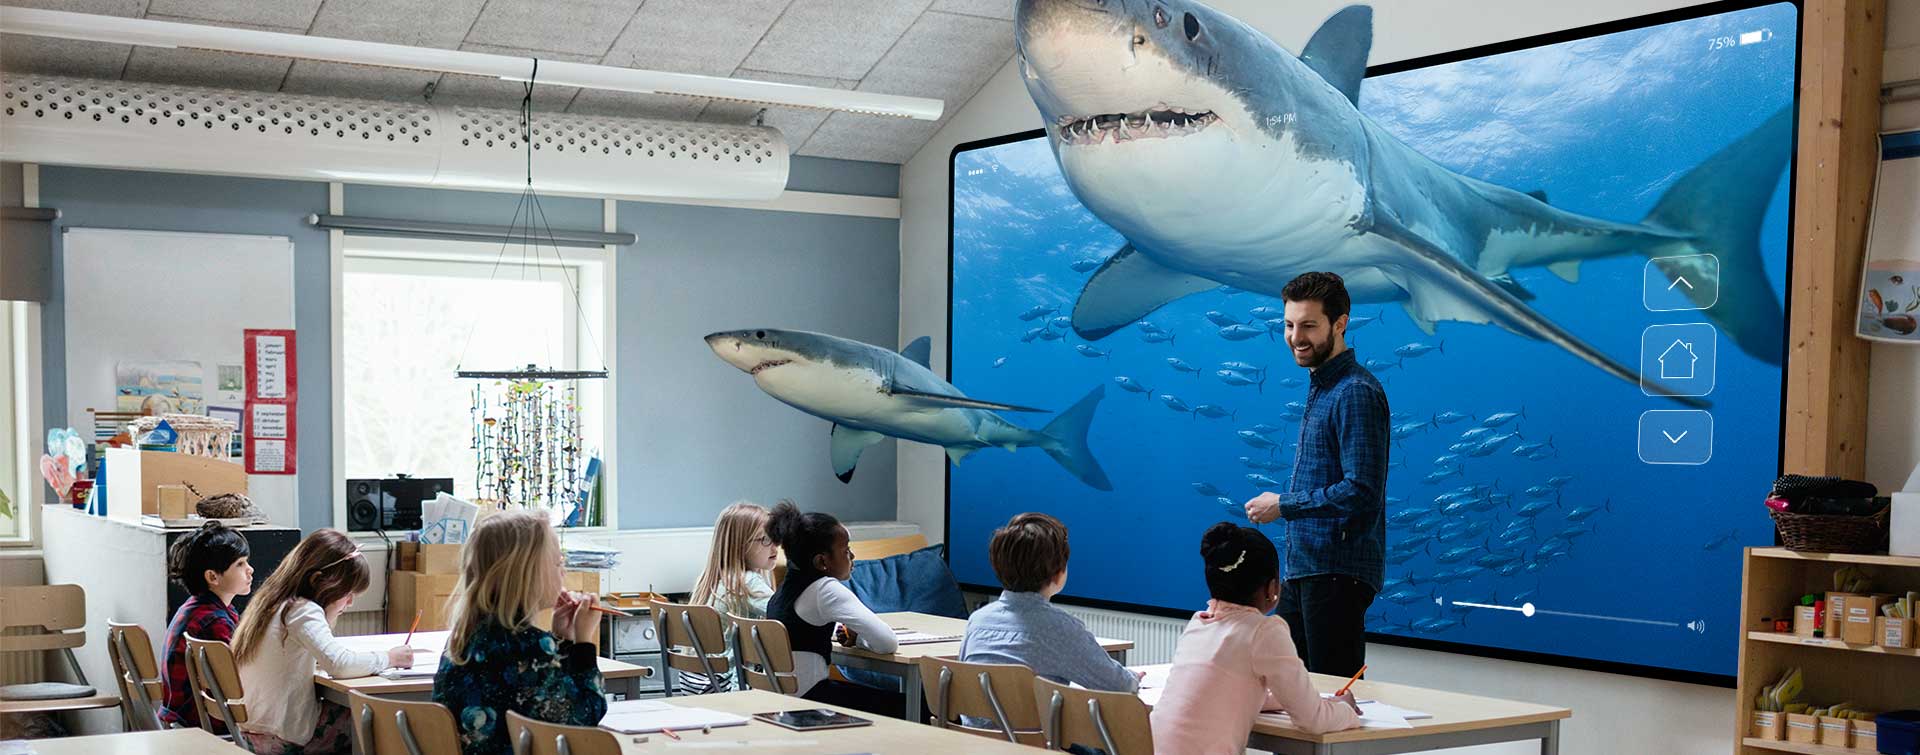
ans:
(1824, 533)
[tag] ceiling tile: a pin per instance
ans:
(425, 23)
(694, 36)
(841, 39)
(205, 68)
(847, 136)
(635, 105)
(289, 15)
(129, 8)
(62, 57)
(944, 55)
(344, 80)
(987, 8)
(578, 27)
(797, 124)
(479, 91)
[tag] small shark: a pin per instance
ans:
(1278, 173)
(868, 393)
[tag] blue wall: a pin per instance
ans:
(691, 437)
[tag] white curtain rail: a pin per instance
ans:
(152, 33)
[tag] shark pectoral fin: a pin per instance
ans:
(1568, 271)
(847, 445)
(937, 401)
(956, 453)
(1440, 287)
(920, 351)
(1126, 288)
(1338, 50)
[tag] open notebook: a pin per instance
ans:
(914, 637)
(647, 716)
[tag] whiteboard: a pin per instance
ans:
(158, 296)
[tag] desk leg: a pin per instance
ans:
(1118, 655)
(1550, 744)
(910, 684)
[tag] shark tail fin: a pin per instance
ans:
(1720, 204)
(1067, 440)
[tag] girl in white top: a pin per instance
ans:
(818, 609)
(736, 578)
(287, 634)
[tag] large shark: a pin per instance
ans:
(1223, 159)
(868, 392)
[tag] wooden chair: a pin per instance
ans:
(138, 675)
(531, 737)
(55, 609)
(765, 653)
(1114, 722)
(215, 679)
(692, 641)
(997, 692)
(385, 726)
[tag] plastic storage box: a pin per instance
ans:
(1899, 732)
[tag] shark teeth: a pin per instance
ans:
(768, 365)
(1157, 122)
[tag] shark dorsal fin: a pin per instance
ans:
(1338, 51)
(920, 351)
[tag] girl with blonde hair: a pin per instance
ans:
(498, 658)
(738, 578)
(287, 633)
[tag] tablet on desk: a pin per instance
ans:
(814, 719)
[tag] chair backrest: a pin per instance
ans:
(863, 550)
(1115, 722)
(531, 737)
(766, 654)
(692, 639)
(384, 726)
(216, 684)
(137, 673)
(54, 608)
(996, 692)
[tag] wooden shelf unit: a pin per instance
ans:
(1872, 677)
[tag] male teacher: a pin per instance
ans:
(1335, 510)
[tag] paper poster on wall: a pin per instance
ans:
(231, 387)
(272, 392)
(1890, 279)
(158, 387)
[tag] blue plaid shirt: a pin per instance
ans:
(1336, 510)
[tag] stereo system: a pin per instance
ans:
(391, 504)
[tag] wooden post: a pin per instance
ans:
(1840, 61)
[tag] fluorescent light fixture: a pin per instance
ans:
(167, 34)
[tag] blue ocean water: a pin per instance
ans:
(1620, 560)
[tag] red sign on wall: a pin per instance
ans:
(272, 389)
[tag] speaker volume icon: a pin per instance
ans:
(1699, 626)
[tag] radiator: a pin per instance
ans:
(23, 668)
(1154, 637)
(360, 622)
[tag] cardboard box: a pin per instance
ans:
(430, 558)
(583, 581)
(1861, 611)
(134, 478)
(1803, 728)
(1836, 732)
(1803, 620)
(1836, 610)
(1768, 725)
(410, 591)
(1866, 736)
(1893, 633)
(173, 501)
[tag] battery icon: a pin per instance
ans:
(1756, 37)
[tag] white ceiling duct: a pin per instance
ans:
(169, 34)
(67, 121)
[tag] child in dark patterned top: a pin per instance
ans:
(497, 659)
(210, 563)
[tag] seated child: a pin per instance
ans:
(813, 599)
(736, 578)
(1029, 556)
(210, 563)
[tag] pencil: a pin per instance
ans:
(1356, 677)
(614, 611)
(670, 734)
(416, 625)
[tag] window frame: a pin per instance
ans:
(592, 270)
(21, 360)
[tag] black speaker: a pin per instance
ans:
(392, 504)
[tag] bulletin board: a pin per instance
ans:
(1890, 278)
(168, 298)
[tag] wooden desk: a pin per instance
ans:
(169, 742)
(1458, 721)
(886, 735)
(904, 661)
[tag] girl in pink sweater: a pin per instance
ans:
(1234, 661)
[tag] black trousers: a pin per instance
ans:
(1327, 614)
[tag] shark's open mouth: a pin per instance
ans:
(768, 365)
(1159, 121)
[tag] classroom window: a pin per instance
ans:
(409, 322)
(14, 479)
